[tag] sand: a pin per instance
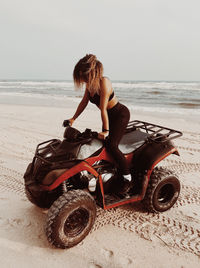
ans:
(126, 236)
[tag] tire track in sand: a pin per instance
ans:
(181, 167)
(189, 149)
(11, 181)
(170, 231)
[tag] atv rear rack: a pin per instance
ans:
(155, 132)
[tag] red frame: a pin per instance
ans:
(86, 164)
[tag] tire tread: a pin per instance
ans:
(157, 175)
(69, 198)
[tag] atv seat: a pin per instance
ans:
(129, 142)
(132, 140)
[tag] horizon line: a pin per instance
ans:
(114, 80)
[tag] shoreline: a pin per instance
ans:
(176, 98)
(189, 116)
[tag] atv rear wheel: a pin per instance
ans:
(163, 190)
(70, 218)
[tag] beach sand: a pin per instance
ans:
(126, 236)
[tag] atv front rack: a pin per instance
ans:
(42, 147)
(155, 132)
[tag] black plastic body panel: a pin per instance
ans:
(149, 153)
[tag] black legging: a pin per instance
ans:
(119, 117)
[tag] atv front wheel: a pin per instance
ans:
(163, 190)
(70, 218)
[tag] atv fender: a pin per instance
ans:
(151, 153)
(148, 156)
(83, 165)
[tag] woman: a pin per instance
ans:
(114, 115)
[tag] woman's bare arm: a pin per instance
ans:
(81, 107)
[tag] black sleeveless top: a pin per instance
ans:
(96, 98)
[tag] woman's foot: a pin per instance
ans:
(127, 184)
(126, 187)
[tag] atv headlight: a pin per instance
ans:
(48, 154)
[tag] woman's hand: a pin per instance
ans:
(103, 135)
(71, 121)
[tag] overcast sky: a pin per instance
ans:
(134, 39)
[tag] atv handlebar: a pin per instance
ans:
(66, 123)
(74, 135)
(88, 133)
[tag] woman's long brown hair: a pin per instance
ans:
(88, 70)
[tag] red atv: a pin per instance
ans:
(69, 177)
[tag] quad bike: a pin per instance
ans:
(71, 176)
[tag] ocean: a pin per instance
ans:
(156, 96)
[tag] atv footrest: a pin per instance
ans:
(116, 200)
(110, 199)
